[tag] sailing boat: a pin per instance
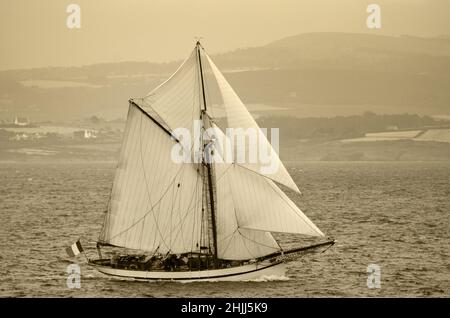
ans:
(195, 220)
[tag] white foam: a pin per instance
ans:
(270, 278)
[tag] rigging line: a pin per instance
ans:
(182, 219)
(180, 143)
(195, 222)
(108, 207)
(148, 189)
(211, 201)
(234, 205)
(229, 235)
(307, 221)
(145, 177)
(237, 223)
(157, 207)
(190, 208)
(103, 230)
(223, 174)
(204, 204)
(259, 174)
(232, 198)
(246, 247)
(180, 223)
(196, 215)
(258, 243)
(229, 241)
(151, 208)
(202, 239)
(178, 208)
(171, 214)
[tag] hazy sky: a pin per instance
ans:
(34, 33)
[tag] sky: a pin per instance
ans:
(35, 34)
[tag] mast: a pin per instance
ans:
(201, 76)
(208, 164)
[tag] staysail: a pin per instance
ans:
(249, 208)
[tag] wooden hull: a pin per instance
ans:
(263, 270)
(272, 267)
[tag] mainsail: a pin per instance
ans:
(155, 203)
(159, 205)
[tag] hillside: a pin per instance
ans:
(316, 74)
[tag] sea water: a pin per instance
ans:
(391, 214)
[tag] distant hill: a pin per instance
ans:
(340, 73)
(345, 51)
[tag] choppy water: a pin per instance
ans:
(395, 215)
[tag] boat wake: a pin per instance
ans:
(263, 278)
(270, 278)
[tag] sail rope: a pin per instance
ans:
(145, 178)
(292, 209)
(256, 172)
(258, 243)
(151, 208)
(245, 245)
(229, 242)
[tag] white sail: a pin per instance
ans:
(177, 101)
(249, 207)
(239, 117)
(155, 203)
(234, 242)
(260, 205)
